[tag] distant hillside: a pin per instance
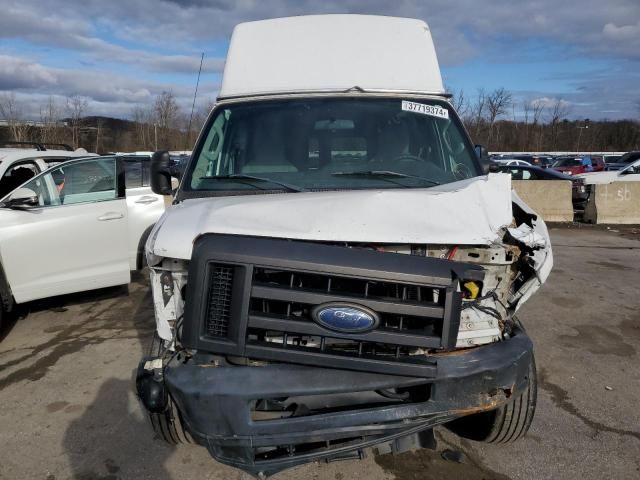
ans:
(99, 134)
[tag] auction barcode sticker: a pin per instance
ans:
(433, 110)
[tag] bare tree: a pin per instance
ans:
(99, 134)
(498, 103)
(166, 110)
(460, 102)
(11, 111)
(537, 107)
(76, 108)
(49, 118)
(478, 111)
(166, 115)
(143, 124)
(557, 111)
(526, 112)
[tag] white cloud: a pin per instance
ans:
(622, 33)
(106, 91)
(166, 36)
(76, 34)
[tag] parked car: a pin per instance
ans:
(579, 192)
(624, 160)
(511, 161)
(571, 165)
(179, 164)
(611, 159)
(17, 165)
(597, 163)
(337, 271)
(543, 161)
(92, 216)
(630, 173)
(525, 157)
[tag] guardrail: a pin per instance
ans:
(558, 153)
(617, 202)
(551, 199)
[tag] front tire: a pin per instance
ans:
(505, 424)
(169, 426)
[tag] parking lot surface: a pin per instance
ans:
(67, 409)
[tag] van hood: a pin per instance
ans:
(469, 212)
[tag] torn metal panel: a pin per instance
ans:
(537, 238)
(468, 212)
(167, 283)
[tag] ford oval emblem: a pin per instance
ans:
(345, 317)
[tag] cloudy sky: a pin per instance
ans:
(120, 54)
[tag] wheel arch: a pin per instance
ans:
(6, 296)
(140, 258)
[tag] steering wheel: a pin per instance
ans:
(407, 157)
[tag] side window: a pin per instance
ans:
(208, 162)
(44, 187)
(146, 172)
(90, 181)
(526, 175)
(455, 151)
(516, 173)
(133, 175)
(87, 181)
(16, 175)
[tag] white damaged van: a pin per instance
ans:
(337, 270)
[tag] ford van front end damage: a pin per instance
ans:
(280, 351)
(336, 271)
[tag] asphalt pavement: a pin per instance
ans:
(67, 409)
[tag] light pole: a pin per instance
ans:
(585, 125)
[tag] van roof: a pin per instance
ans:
(320, 53)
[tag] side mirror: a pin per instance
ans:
(483, 156)
(161, 168)
(481, 152)
(22, 198)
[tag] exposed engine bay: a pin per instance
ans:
(514, 268)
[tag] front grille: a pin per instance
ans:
(219, 303)
(256, 296)
(282, 301)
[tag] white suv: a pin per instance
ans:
(95, 213)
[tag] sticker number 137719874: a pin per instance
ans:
(432, 110)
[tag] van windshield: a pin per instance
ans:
(329, 143)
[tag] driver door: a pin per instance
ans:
(75, 239)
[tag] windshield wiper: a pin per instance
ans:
(234, 176)
(384, 173)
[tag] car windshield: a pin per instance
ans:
(629, 157)
(568, 162)
(331, 143)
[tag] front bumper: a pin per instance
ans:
(217, 404)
